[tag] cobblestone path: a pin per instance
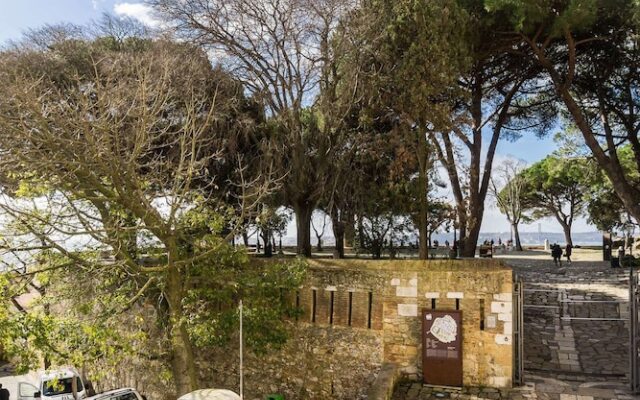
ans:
(576, 336)
(575, 324)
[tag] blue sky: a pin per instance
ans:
(16, 16)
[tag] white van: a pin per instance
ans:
(119, 394)
(54, 385)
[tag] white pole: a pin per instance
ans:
(241, 366)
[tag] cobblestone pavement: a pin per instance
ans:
(537, 387)
(575, 331)
(575, 326)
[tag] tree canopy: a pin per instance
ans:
(124, 150)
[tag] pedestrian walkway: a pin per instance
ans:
(576, 334)
(537, 387)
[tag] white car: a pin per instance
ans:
(118, 394)
(210, 394)
(54, 385)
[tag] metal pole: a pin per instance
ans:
(241, 360)
(633, 345)
(455, 226)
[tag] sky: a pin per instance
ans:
(17, 16)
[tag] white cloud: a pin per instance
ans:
(139, 11)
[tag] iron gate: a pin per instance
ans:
(518, 330)
(634, 327)
(634, 332)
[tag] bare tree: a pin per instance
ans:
(320, 231)
(120, 28)
(508, 193)
(118, 157)
(279, 49)
(48, 35)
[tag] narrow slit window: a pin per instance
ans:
(481, 314)
(457, 304)
(433, 304)
(350, 308)
(331, 308)
(370, 309)
(313, 306)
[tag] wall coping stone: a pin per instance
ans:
(479, 265)
(382, 388)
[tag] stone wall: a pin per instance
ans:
(318, 362)
(360, 314)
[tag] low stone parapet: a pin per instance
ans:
(383, 386)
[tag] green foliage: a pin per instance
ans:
(527, 15)
(125, 157)
(604, 208)
(556, 187)
(211, 306)
(416, 60)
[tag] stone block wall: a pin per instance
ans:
(391, 295)
(358, 315)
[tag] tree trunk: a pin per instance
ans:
(268, 246)
(376, 249)
(566, 228)
(472, 231)
(361, 243)
(303, 213)
(462, 231)
(625, 191)
(516, 235)
(245, 238)
(423, 244)
(349, 230)
(319, 244)
(339, 234)
(131, 235)
(182, 356)
(423, 190)
(470, 242)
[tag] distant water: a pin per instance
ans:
(527, 238)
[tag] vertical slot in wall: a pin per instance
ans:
(481, 314)
(331, 308)
(350, 308)
(314, 301)
(370, 309)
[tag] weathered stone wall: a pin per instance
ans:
(482, 289)
(318, 362)
(360, 314)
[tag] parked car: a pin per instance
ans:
(210, 394)
(54, 385)
(118, 394)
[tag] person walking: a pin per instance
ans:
(556, 253)
(567, 252)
